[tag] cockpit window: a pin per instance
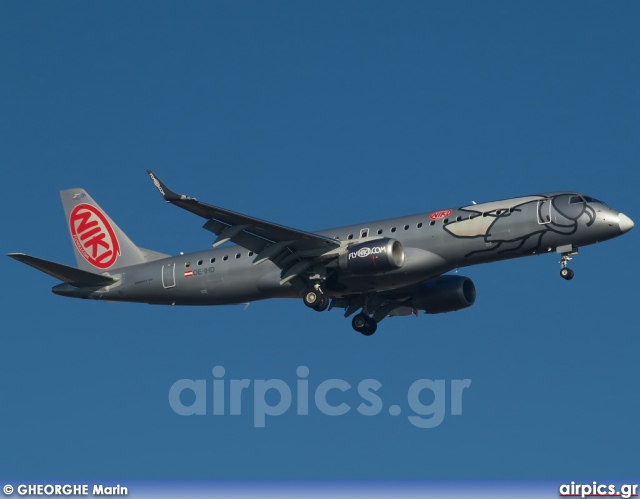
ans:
(593, 200)
(576, 200)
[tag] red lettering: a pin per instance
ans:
(93, 236)
(84, 218)
(95, 242)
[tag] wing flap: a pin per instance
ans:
(70, 275)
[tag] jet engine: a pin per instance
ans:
(446, 293)
(373, 257)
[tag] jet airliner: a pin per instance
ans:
(378, 269)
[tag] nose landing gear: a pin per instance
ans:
(566, 273)
(566, 253)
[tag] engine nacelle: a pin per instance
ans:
(446, 293)
(373, 257)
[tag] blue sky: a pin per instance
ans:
(314, 115)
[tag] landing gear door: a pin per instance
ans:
(544, 211)
(169, 275)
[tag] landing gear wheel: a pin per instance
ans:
(566, 273)
(314, 298)
(359, 322)
(372, 326)
(364, 324)
(323, 304)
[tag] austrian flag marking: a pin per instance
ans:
(188, 273)
(93, 236)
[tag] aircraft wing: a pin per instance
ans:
(292, 250)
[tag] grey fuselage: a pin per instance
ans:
(434, 243)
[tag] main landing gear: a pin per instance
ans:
(364, 324)
(316, 299)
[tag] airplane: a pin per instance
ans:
(392, 267)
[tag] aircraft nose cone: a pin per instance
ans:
(626, 224)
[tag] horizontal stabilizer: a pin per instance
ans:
(70, 275)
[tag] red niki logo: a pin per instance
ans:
(439, 215)
(93, 236)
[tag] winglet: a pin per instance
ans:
(167, 193)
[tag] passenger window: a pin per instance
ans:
(393, 229)
(225, 257)
(250, 253)
(432, 223)
(237, 255)
(188, 264)
(379, 231)
(445, 221)
(419, 225)
(458, 218)
(212, 260)
(199, 262)
(406, 227)
(350, 236)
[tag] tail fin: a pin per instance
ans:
(99, 244)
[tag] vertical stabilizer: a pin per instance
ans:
(99, 244)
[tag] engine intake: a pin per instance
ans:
(373, 257)
(446, 293)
